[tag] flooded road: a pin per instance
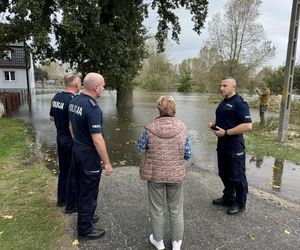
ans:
(123, 127)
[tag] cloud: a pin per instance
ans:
(275, 18)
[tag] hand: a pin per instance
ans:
(219, 132)
(210, 125)
(108, 169)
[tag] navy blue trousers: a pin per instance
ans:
(88, 171)
(232, 170)
(64, 152)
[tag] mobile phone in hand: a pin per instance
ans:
(213, 127)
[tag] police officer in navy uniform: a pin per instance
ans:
(88, 152)
(59, 113)
(232, 120)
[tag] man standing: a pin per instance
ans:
(86, 125)
(59, 113)
(264, 96)
(232, 119)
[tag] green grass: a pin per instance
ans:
(262, 141)
(27, 193)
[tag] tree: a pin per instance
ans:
(199, 68)
(239, 37)
(27, 21)
(105, 36)
(40, 74)
(275, 77)
(108, 37)
(54, 70)
(185, 82)
(157, 73)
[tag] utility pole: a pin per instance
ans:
(27, 76)
(287, 86)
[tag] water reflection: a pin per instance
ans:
(258, 160)
(277, 174)
(124, 126)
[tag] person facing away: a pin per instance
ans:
(232, 120)
(167, 145)
(89, 149)
(264, 97)
(59, 113)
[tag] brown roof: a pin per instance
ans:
(17, 57)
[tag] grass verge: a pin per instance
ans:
(29, 218)
(262, 141)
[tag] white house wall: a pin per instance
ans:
(19, 83)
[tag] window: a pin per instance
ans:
(7, 55)
(9, 76)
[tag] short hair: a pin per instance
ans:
(70, 78)
(166, 106)
(231, 79)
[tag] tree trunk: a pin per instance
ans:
(125, 97)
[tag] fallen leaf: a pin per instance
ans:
(287, 232)
(123, 163)
(75, 242)
(1, 232)
(7, 217)
(251, 236)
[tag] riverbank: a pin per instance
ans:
(262, 141)
(29, 218)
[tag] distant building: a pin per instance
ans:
(13, 69)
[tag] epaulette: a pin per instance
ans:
(92, 103)
(243, 100)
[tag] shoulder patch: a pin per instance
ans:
(92, 103)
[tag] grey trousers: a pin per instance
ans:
(170, 196)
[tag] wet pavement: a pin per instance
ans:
(123, 127)
(268, 222)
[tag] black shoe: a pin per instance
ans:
(222, 202)
(94, 234)
(60, 203)
(235, 210)
(70, 210)
(95, 219)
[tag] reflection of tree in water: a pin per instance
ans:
(277, 174)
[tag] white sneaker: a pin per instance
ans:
(159, 245)
(176, 245)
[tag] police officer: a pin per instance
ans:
(59, 113)
(89, 145)
(232, 119)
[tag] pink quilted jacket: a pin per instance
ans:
(163, 160)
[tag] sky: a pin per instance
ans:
(275, 19)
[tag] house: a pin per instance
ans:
(13, 69)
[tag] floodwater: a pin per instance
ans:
(123, 127)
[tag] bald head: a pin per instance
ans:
(91, 80)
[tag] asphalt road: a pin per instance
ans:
(268, 222)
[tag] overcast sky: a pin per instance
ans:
(275, 18)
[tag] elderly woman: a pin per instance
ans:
(166, 146)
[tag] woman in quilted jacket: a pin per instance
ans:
(166, 145)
